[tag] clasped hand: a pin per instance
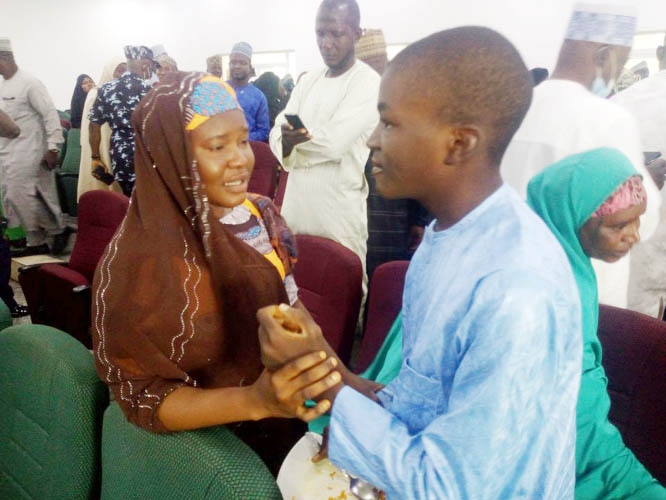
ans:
(285, 391)
(289, 338)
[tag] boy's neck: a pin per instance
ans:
(470, 193)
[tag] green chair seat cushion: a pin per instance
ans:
(5, 316)
(208, 463)
(51, 408)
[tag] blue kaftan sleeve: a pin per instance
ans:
(262, 123)
(504, 428)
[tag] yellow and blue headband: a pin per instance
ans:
(211, 96)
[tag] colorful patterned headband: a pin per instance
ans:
(629, 194)
(211, 96)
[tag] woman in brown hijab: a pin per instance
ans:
(177, 290)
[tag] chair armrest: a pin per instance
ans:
(29, 268)
(33, 267)
(67, 174)
(81, 289)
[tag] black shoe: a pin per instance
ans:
(29, 250)
(18, 311)
(60, 242)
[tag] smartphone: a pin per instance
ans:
(102, 175)
(295, 121)
(650, 156)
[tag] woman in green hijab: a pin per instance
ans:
(592, 202)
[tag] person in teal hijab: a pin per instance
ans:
(592, 202)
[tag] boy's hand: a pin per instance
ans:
(286, 333)
(283, 393)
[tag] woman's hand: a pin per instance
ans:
(285, 333)
(284, 392)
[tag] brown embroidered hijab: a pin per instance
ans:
(175, 294)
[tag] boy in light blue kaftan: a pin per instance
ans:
(484, 405)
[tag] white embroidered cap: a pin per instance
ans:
(5, 45)
(603, 23)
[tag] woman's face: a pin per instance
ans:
(120, 69)
(87, 84)
(163, 69)
(610, 237)
(222, 151)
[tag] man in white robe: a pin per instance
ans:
(27, 180)
(326, 191)
(646, 100)
(566, 117)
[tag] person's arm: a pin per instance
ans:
(41, 102)
(279, 394)
(506, 423)
(8, 128)
(94, 138)
(100, 113)
(279, 139)
(262, 126)
(354, 119)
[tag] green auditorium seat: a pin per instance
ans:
(51, 409)
(204, 464)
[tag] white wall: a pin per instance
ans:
(57, 40)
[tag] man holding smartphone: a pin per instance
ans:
(326, 191)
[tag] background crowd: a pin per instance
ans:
(511, 367)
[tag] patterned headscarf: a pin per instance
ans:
(210, 97)
(629, 194)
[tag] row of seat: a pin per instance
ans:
(60, 437)
(46, 372)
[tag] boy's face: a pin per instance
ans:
(407, 145)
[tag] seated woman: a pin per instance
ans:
(176, 292)
(592, 202)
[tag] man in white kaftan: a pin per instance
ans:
(646, 100)
(28, 184)
(566, 118)
(326, 191)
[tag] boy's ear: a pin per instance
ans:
(462, 142)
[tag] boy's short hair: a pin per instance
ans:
(471, 75)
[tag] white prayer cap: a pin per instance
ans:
(603, 23)
(158, 50)
(5, 45)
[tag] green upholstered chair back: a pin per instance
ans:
(67, 176)
(51, 409)
(72, 158)
(5, 316)
(204, 464)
